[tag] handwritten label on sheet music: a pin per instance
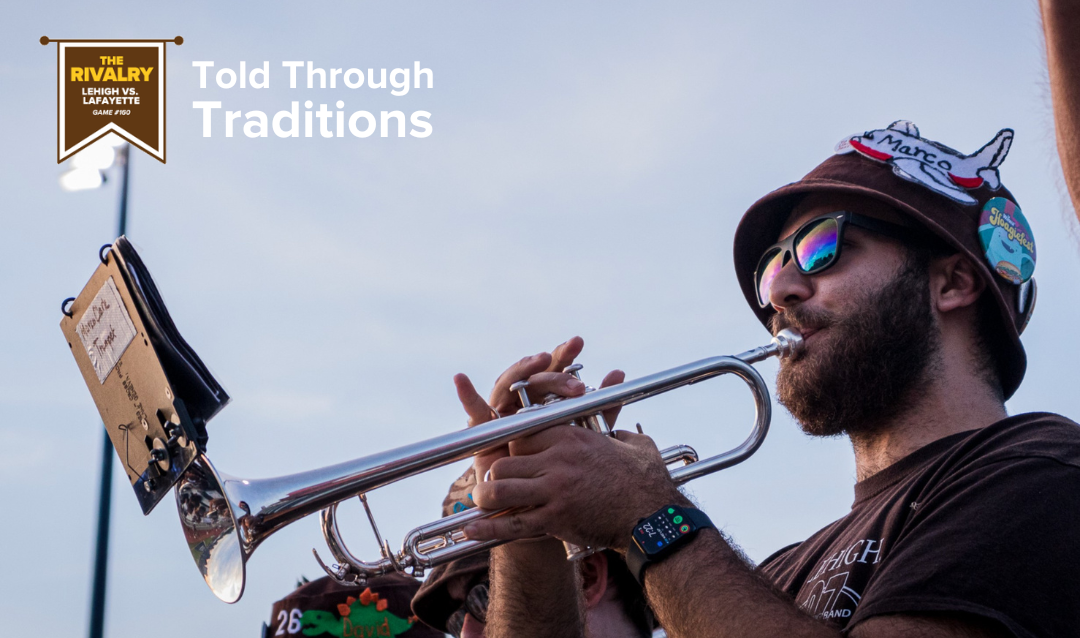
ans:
(106, 330)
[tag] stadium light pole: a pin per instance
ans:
(86, 173)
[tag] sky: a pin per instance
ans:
(587, 166)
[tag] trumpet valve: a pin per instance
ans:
(596, 421)
(522, 389)
(575, 371)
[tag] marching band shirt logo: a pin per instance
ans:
(835, 589)
(108, 86)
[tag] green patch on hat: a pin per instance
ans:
(366, 617)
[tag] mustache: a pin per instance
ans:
(800, 319)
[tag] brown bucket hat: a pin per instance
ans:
(954, 217)
(433, 604)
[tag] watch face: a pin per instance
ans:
(660, 530)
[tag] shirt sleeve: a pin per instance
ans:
(776, 556)
(998, 541)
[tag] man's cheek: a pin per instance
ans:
(473, 628)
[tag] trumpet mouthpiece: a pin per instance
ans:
(789, 343)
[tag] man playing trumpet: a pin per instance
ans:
(907, 268)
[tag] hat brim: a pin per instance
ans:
(432, 603)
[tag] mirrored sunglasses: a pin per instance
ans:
(815, 246)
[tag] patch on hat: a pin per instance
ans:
(366, 615)
(933, 165)
(326, 608)
(1007, 240)
(459, 498)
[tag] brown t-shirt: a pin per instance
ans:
(985, 522)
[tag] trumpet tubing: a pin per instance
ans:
(226, 518)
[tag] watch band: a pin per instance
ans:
(666, 530)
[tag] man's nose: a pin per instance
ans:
(790, 287)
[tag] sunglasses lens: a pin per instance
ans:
(475, 605)
(815, 247)
(455, 623)
(477, 602)
(768, 268)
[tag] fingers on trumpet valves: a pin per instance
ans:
(547, 387)
(512, 526)
(502, 396)
(522, 389)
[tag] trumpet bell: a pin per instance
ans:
(210, 530)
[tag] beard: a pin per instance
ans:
(869, 366)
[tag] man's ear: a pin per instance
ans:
(954, 282)
(594, 578)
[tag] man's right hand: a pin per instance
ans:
(563, 450)
(534, 590)
(544, 372)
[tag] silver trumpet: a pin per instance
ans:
(226, 518)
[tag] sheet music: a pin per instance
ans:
(105, 330)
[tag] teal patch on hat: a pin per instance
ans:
(1007, 240)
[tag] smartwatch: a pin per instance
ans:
(660, 535)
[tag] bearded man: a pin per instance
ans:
(907, 267)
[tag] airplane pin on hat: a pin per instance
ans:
(931, 164)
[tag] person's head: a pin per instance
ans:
(882, 276)
(381, 608)
(614, 602)
(454, 598)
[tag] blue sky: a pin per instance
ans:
(587, 168)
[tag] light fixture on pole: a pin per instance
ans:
(87, 171)
(87, 165)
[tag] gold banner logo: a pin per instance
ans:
(108, 86)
